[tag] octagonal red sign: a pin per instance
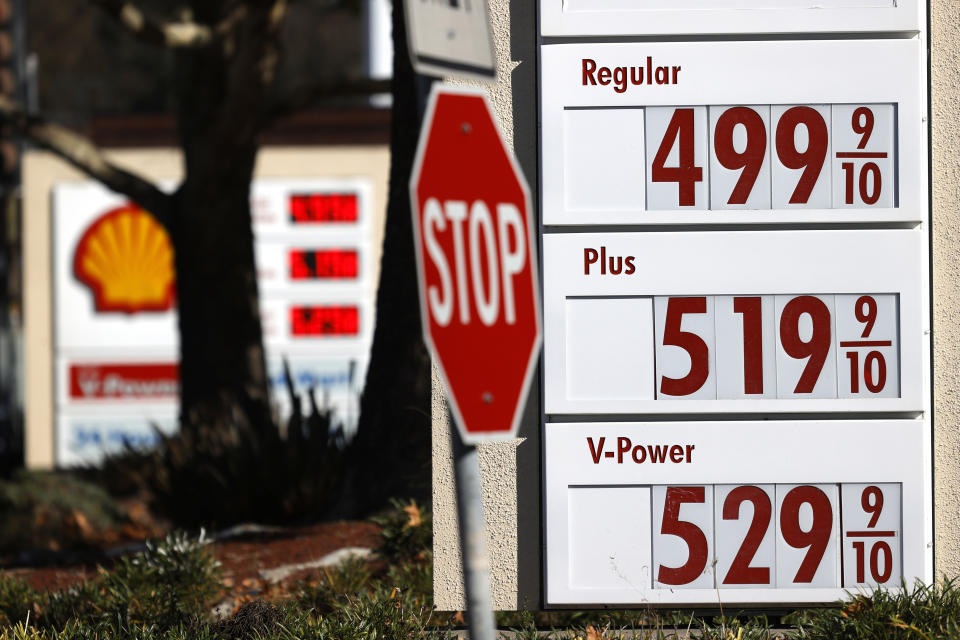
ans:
(476, 265)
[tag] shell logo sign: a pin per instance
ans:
(125, 257)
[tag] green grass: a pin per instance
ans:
(167, 593)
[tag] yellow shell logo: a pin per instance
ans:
(126, 258)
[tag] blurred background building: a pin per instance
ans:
(88, 341)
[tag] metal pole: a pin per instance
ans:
(476, 568)
(476, 572)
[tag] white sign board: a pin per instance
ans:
(736, 314)
(450, 38)
(115, 327)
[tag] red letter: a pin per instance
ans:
(589, 66)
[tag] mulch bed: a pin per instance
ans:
(242, 557)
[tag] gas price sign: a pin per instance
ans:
(736, 320)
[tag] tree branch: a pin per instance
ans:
(305, 96)
(184, 35)
(85, 156)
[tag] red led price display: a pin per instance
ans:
(336, 320)
(309, 264)
(307, 208)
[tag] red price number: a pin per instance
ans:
(871, 529)
(862, 175)
(812, 347)
(765, 156)
(743, 569)
(306, 208)
(680, 142)
(871, 368)
(312, 320)
(808, 161)
(681, 134)
(326, 264)
(806, 535)
(691, 343)
(777, 346)
(812, 538)
(815, 347)
(690, 533)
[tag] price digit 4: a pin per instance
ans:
(678, 158)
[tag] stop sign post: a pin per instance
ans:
(479, 300)
(476, 264)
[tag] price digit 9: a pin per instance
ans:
(862, 123)
(871, 500)
(817, 537)
(751, 160)
(812, 158)
(816, 348)
(865, 310)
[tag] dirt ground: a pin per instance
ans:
(243, 552)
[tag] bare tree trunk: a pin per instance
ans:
(220, 97)
(391, 456)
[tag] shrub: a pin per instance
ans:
(406, 532)
(172, 582)
(224, 474)
(931, 612)
(16, 600)
(170, 585)
(54, 511)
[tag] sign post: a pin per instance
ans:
(479, 297)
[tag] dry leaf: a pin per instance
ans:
(593, 634)
(458, 618)
(78, 520)
(413, 515)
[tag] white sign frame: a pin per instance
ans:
(667, 17)
(782, 72)
(733, 258)
(787, 56)
(902, 456)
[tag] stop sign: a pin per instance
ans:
(476, 264)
